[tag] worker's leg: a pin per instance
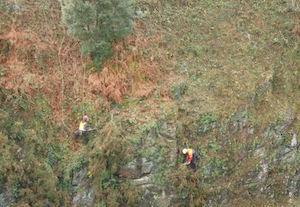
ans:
(86, 139)
(76, 135)
(194, 165)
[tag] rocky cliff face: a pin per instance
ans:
(84, 192)
(239, 162)
(252, 159)
(146, 169)
(142, 171)
(266, 165)
(258, 163)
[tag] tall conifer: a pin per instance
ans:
(98, 23)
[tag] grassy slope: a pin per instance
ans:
(227, 50)
(233, 54)
(222, 53)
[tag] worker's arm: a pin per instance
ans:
(87, 127)
(189, 158)
(186, 163)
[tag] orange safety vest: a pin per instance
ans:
(189, 156)
(82, 125)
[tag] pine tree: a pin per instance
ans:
(98, 23)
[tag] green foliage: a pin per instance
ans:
(255, 143)
(23, 167)
(5, 47)
(205, 123)
(98, 23)
(108, 151)
(177, 90)
(164, 167)
(189, 186)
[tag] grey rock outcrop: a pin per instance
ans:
(85, 194)
(7, 198)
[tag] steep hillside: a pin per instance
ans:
(219, 76)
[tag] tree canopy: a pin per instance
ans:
(98, 23)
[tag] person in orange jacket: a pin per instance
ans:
(191, 156)
(83, 128)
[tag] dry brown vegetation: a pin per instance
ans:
(229, 55)
(50, 63)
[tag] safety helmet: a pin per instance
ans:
(86, 118)
(184, 151)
